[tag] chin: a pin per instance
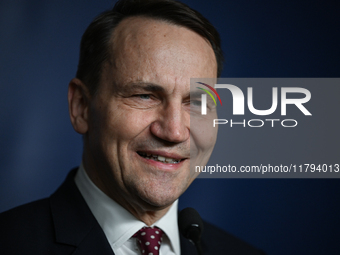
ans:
(159, 198)
(158, 191)
(156, 204)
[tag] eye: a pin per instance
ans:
(195, 103)
(144, 96)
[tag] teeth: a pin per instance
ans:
(168, 160)
(159, 158)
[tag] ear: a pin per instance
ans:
(78, 105)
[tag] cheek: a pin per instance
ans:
(125, 123)
(203, 130)
(203, 138)
(113, 130)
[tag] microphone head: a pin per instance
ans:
(190, 224)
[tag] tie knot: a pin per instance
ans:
(150, 239)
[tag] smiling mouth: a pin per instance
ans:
(159, 158)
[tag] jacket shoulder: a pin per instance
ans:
(29, 229)
(26, 217)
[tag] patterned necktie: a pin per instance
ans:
(150, 239)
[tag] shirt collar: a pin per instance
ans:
(117, 223)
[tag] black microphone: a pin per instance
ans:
(191, 227)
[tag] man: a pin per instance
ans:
(131, 102)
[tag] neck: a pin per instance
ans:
(149, 217)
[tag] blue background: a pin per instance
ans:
(39, 45)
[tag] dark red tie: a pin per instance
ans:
(150, 239)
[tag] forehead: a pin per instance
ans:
(148, 50)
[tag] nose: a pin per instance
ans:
(172, 124)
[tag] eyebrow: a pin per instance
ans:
(196, 94)
(152, 87)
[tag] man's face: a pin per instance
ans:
(138, 137)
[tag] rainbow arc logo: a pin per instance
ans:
(204, 97)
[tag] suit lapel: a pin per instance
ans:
(95, 242)
(74, 223)
(76, 226)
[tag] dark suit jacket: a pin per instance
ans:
(63, 224)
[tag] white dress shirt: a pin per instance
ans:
(119, 225)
